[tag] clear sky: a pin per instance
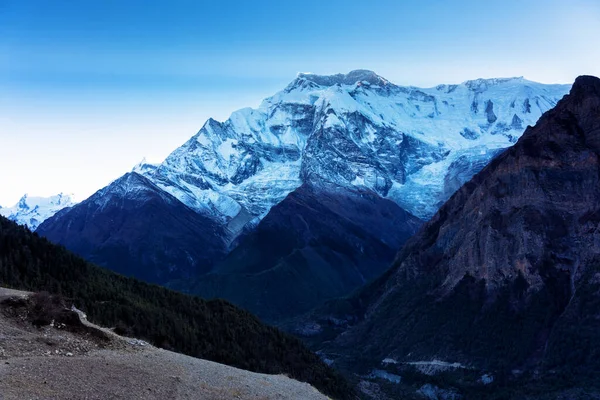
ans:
(88, 88)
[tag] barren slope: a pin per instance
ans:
(53, 363)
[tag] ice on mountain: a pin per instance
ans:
(332, 121)
(227, 148)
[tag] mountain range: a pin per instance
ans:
(327, 154)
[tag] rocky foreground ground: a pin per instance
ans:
(52, 362)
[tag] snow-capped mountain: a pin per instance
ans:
(414, 146)
(32, 211)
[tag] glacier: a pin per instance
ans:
(412, 145)
(32, 211)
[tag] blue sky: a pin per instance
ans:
(87, 88)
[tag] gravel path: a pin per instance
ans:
(5, 292)
(49, 363)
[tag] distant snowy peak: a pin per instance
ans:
(415, 146)
(32, 211)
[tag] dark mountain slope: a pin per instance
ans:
(135, 228)
(322, 241)
(213, 330)
(506, 276)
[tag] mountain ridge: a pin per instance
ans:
(180, 245)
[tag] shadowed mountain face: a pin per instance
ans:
(506, 276)
(135, 228)
(322, 241)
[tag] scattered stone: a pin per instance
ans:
(137, 342)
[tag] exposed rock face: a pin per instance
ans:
(529, 206)
(135, 228)
(507, 273)
(320, 242)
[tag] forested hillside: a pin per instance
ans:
(214, 330)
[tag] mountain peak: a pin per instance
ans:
(22, 204)
(579, 111)
(351, 78)
(586, 85)
(144, 167)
